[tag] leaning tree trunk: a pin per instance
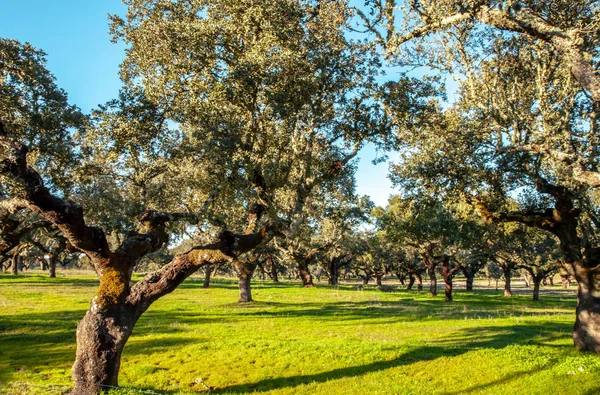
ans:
(246, 270)
(273, 267)
(432, 282)
(411, 282)
(586, 331)
(448, 289)
(305, 276)
(419, 282)
(101, 336)
(448, 275)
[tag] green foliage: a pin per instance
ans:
(36, 112)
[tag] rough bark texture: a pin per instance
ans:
(52, 267)
(469, 285)
(584, 260)
(101, 336)
(273, 268)
(432, 283)
(507, 278)
(448, 273)
(586, 331)
(207, 275)
(536, 288)
(245, 272)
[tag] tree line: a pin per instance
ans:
(234, 141)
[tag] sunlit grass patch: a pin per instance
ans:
(314, 341)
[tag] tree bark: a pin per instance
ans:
(207, 275)
(448, 274)
(507, 278)
(536, 287)
(246, 270)
(52, 267)
(470, 280)
(432, 283)
(16, 260)
(333, 275)
(273, 267)
(586, 331)
(305, 276)
(411, 282)
(101, 336)
(378, 280)
(419, 282)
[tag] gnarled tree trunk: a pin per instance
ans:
(245, 272)
(432, 282)
(586, 331)
(273, 268)
(208, 271)
(101, 336)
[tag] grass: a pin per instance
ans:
(325, 340)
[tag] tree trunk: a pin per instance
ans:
(566, 281)
(433, 282)
(470, 280)
(411, 282)
(273, 268)
(448, 274)
(378, 280)
(419, 282)
(402, 278)
(507, 278)
(305, 276)
(52, 267)
(16, 260)
(366, 280)
(551, 281)
(207, 275)
(536, 287)
(586, 331)
(448, 290)
(246, 270)
(101, 337)
(527, 280)
(334, 274)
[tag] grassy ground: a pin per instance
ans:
(311, 341)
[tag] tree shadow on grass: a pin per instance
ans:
(491, 337)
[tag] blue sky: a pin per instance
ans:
(74, 34)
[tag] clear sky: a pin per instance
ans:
(74, 34)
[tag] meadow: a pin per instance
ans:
(324, 340)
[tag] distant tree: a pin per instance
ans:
(525, 122)
(247, 115)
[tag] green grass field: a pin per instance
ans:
(324, 340)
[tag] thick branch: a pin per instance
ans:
(227, 249)
(62, 212)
